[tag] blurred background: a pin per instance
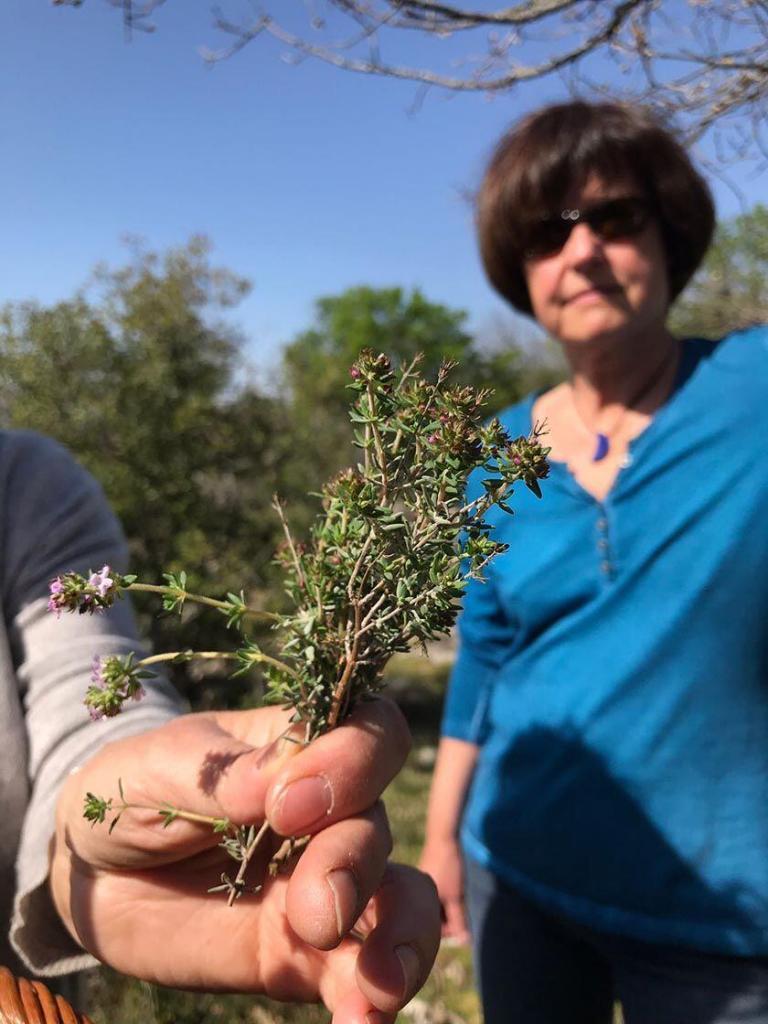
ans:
(204, 223)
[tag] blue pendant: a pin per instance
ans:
(603, 444)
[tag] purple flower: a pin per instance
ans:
(97, 672)
(433, 439)
(354, 373)
(55, 602)
(102, 581)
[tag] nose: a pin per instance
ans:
(583, 245)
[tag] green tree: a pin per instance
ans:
(731, 288)
(140, 381)
(401, 323)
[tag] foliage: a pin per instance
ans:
(730, 291)
(140, 380)
(400, 324)
(136, 377)
(389, 558)
(384, 569)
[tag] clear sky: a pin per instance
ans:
(308, 180)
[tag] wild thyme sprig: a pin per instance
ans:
(390, 556)
(387, 562)
(97, 808)
(74, 592)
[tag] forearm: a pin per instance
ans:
(454, 769)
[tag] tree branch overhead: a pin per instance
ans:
(706, 65)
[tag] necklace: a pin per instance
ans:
(603, 437)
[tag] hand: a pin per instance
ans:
(137, 898)
(441, 859)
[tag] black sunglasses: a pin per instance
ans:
(611, 220)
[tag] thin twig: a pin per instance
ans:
(278, 507)
(212, 602)
(248, 852)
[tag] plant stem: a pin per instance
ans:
(247, 856)
(277, 506)
(177, 812)
(185, 595)
(154, 659)
(257, 656)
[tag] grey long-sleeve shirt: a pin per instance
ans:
(53, 518)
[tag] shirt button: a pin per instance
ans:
(602, 544)
(602, 524)
(606, 567)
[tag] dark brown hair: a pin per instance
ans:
(536, 164)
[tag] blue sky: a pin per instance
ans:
(307, 180)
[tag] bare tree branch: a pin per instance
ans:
(708, 69)
(335, 54)
(135, 15)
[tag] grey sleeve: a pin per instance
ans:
(56, 519)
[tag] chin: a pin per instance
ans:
(600, 331)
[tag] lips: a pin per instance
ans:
(596, 291)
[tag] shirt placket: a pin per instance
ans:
(603, 543)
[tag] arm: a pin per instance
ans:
(485, 637)
(441, 857)
(55, 518)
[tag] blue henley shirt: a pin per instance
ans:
(614, 670)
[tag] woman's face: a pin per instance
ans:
(592, 289)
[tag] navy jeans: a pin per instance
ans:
(535, 967)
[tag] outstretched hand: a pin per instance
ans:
(137, 898)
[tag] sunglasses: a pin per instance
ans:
(611, 220)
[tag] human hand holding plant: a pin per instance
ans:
(137, 898)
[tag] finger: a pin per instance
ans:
(336, 876)
(192, 764)
(341, 773)
(354, 1008)
(398, 953)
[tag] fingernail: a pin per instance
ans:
(302, 805)
(411, 965)
(346, 896)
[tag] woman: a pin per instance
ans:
(606, 729)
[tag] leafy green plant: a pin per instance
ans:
(387, 561)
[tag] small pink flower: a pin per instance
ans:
(102, 581)
(55, 603)
(97, 675)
